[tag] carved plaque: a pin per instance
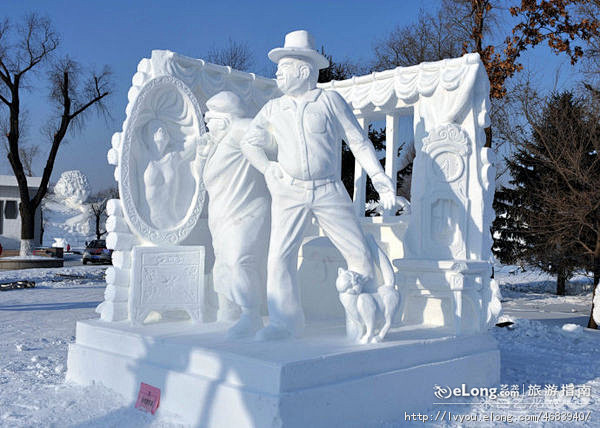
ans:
(167, 278)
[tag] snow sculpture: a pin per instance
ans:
(369, 316)
(444, 246)
(238, 213)
(439, 252)
(162, 194)
(67, 216)
(307, 125)
(73, 188)
(178, 87)
(453, 188)
(445, 107)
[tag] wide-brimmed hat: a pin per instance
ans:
(299, 43)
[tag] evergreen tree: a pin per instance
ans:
(549, 216)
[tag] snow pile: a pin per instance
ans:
(550, 351)
(572, 329)
(37, 326)
(67, 216)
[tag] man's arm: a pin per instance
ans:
(257, 139)
(203, 148)
(363, 150)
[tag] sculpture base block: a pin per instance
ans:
(321, 380)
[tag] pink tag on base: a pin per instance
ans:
(148, 398)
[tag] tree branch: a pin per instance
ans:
(88, 104)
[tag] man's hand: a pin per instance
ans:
(273, 170)
(203, 145)
(385, 187)
(273, 173)
(404, 204)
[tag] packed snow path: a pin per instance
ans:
(38, 324)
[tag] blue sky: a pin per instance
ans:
(121, 33)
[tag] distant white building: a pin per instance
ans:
(10, 218)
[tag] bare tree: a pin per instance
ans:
(27, 46)
(27, 152)
(28, 155)
(236, 55)
(591, 63)
(98, 207)
(431, 38)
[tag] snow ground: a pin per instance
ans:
(38, 324)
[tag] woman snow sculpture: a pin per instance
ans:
(163, 176)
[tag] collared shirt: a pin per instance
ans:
(308, 131)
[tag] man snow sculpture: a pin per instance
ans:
(308, 125)
(238, 212)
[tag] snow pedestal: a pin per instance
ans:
(458, 294)
(319, 380)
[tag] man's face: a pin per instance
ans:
(289, 78)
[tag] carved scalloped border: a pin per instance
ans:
(176, 234)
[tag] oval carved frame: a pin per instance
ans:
(146, 231)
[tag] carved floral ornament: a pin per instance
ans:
(447, 146)
(448, 134)
(150, 154)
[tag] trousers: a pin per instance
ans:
(294, 202)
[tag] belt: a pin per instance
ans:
(306, 184)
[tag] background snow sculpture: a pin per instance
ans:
(72, 187)
(67, 215)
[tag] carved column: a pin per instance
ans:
(360, 180)
(392, 122)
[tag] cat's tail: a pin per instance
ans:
(382, 261)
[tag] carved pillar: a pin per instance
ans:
(392, 122)
(360, 180)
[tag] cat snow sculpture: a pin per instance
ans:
(371, 313)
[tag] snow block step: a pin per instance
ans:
(321, 380)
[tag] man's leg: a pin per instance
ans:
(334, 211)
(243, 255)
(288, 220)
(245, 280)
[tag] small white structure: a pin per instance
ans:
(440, 253)
(10, 218)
